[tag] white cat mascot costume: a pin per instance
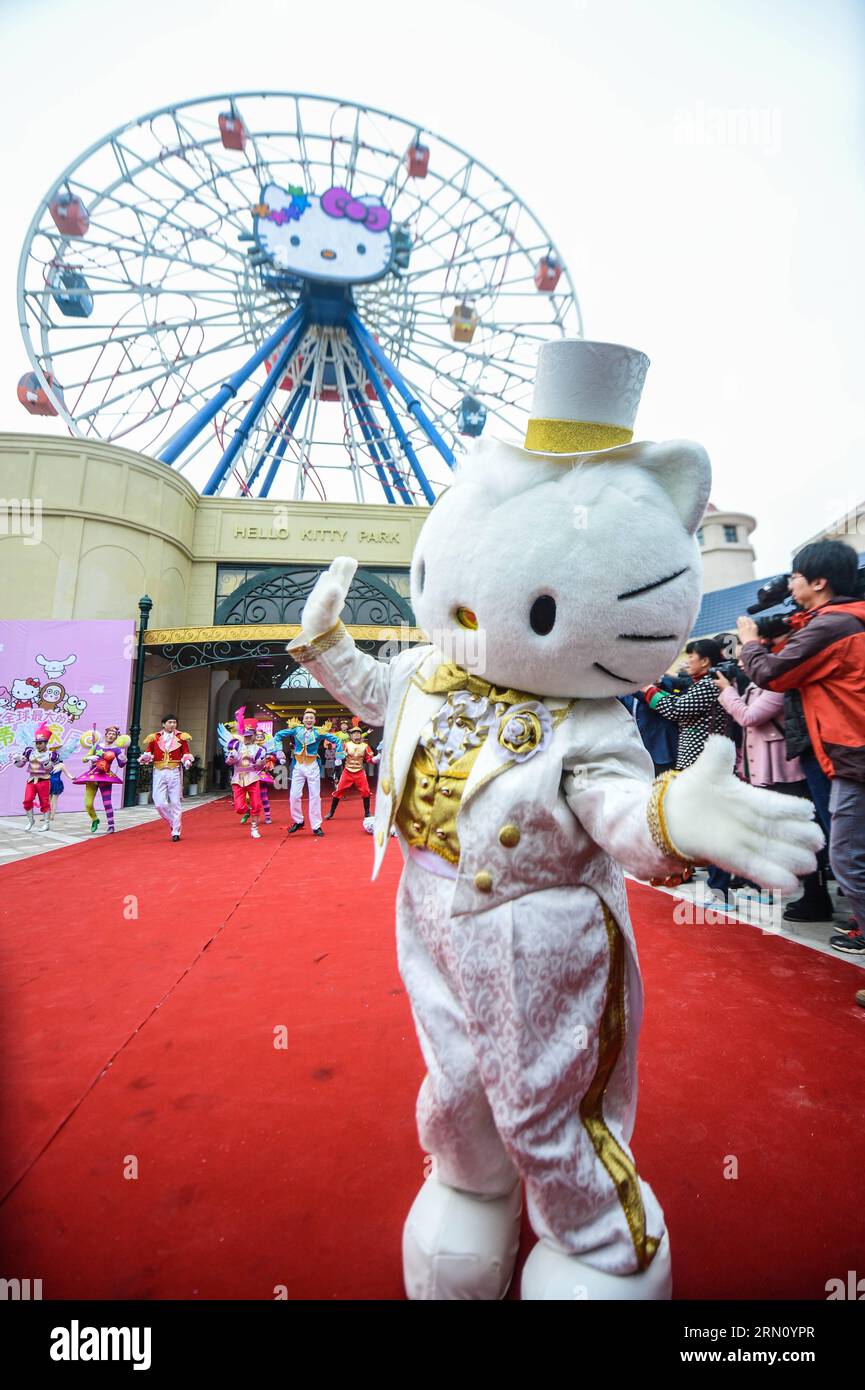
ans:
(559, 574)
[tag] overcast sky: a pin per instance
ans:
(699, 164)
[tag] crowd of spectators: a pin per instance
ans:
(795, 708)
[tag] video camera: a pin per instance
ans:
(733, 672)
(768, 595)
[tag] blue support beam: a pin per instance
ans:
(259, 403)
(389, 411)
(278, 432)
(413, 405)
(290, 423)
(184, 437)
(370, 442)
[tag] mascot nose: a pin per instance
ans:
(328, 255)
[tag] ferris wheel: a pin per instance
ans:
(287, 296)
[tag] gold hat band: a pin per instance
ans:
(573, 436)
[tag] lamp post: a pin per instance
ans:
(130, 791)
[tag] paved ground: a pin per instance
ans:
(69, 828)
(765, 913)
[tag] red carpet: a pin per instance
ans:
(146, 1042)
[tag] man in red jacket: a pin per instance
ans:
(824, 659)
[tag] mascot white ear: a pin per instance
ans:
(679, 466)
(684, 472)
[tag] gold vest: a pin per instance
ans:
(355, 756)
(427, 815)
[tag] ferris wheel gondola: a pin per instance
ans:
(284, 295)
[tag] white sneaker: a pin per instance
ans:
(45, 823)
(30, 821)
(550, 1274)
(459, 1246)
(254, 832)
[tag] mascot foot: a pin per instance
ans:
(457, 1246)
(551, 1274)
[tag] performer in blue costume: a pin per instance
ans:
(304, 742)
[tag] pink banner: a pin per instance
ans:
(70, 676)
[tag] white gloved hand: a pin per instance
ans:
(326, 600)
(714, 818)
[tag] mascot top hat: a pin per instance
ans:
(586, 397)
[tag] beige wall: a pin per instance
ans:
(110, 525)
(105, 526)
(726, 563)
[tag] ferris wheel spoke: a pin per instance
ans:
(157, 168)
(459, 385)
(492, 214)
(471, 257)
(160, 219)
(137, 387)
(441, 215)
(173, 368)
(124, 247)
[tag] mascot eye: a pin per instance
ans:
(361, 249)
(295, 241)
(421, 575)
(543, 615)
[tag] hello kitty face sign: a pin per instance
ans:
(337, 237)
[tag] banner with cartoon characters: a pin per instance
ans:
(71, 676)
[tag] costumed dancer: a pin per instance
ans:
(56, 789)
(340, 738)
(521, 790)
(169, 752)
(58, 773)
(304, 741)
(357, 752)
(246, 758)
(40, 762)
(103, 756)
(273, 758)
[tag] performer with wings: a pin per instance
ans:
(103, 755)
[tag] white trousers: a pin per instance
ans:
(167, 795)
(310, 774)
(523, 1013)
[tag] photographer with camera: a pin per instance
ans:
(823, 657)
(762, 760)
(698, 713)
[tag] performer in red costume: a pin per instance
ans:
(357, 752)
(39, 764)
(169, 752)
(247, 758)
